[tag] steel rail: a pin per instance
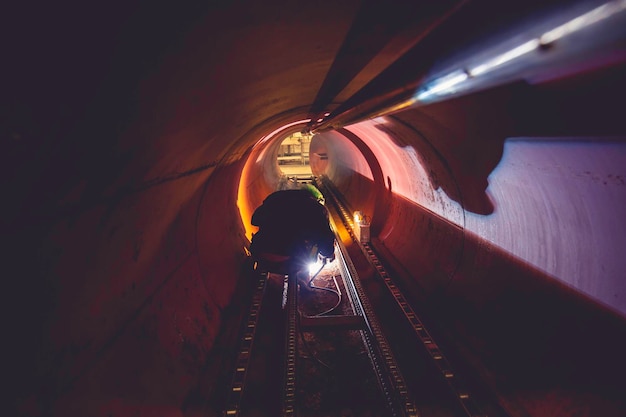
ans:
(454, 382)
(237, 386)
(387, 372)
(291, 348)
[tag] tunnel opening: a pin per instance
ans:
(294, 153)
(331, 155)
(262, 172)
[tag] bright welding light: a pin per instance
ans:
(584, 20)
(443, 85)
(508, 56)
(313, 268)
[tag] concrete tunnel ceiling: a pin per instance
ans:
(138, 142)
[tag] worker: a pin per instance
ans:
(294, 229)
(314, 192)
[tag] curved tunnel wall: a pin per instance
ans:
(523, 277)
(123, 160)
(554, 202)
(168, 322)
(512, 249)
(123, 236)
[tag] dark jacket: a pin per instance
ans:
(290, 222)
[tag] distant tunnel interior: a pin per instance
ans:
(138, 144)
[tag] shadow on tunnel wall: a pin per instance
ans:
(462, 139)
(461, 142)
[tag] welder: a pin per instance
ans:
(294, 230)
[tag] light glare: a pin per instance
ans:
(443, 84)
(313, 268)
(508, 56)
(582, 21)
(449, 83)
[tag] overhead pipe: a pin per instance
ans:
(581, 37)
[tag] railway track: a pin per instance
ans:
(331, 356)
(314, 373)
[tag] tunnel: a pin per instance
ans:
(484, 140)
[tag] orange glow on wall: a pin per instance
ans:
(253, 187)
